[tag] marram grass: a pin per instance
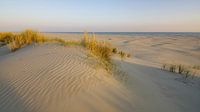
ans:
(102, 50)
(99, 49)
(186, 71)
(19, 40)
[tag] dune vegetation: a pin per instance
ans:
(16, 41)
(19, 40)
(186, 71)
(101, 50)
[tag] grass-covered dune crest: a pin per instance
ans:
(101, 50)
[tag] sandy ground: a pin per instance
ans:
(50, 78)
(152, 50)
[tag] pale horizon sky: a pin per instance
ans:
(100, 15)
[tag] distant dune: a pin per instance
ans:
(54, 78)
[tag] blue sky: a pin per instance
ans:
(100, 15)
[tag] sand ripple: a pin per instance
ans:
(51, 78)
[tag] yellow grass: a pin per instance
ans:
(65, 42)
(100, 49)
(19, 40)
(5, 37)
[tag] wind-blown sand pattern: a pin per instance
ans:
(54, 78)
(49, 78)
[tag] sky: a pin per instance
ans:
(100, 15)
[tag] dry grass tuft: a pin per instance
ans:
(114, 50)
(122, 54)
(99, 49)
(196, 67)
(186, 71)
(5, 37)
(65, 42)
(16, 41)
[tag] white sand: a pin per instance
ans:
(53, 78)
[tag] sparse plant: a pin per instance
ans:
(197, 67)
(180, 69)
(114, 50)
(85, 39)
(172, 68)
(164, 67)
(185, 71)
(122, 55)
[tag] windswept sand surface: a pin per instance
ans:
(53, 78)
(152, 50)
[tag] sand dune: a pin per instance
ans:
(152, 50)
(51, 78)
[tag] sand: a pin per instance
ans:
(54, 78)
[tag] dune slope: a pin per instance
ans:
(156, 90)
(50, 78)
